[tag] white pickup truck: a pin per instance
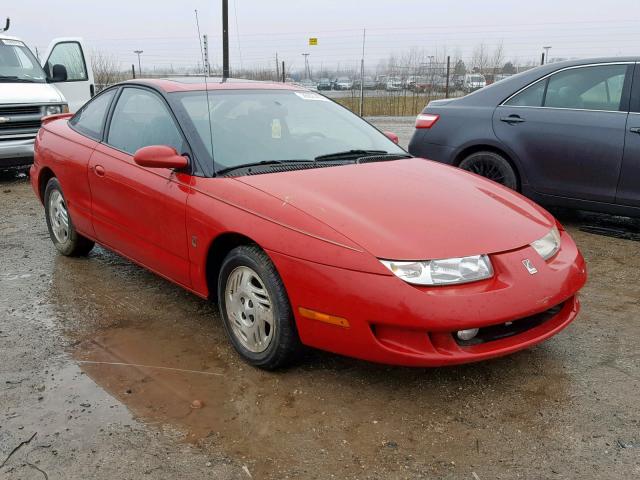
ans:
(30, 91)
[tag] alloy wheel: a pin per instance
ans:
(58, 216)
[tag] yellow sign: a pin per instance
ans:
(313, 41)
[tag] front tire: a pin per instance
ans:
(61, 230)
(493, 166)
(255, 309)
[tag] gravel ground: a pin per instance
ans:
(563, 410)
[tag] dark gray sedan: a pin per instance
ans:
(564, 134)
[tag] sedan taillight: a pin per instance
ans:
(426, 120)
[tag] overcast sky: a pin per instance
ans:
(166, 30)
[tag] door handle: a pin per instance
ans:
(511, 119)
(635, 130)
(99, 170)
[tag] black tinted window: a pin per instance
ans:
(90, 119)
(140, 119)
(529, 97)
(591, 88)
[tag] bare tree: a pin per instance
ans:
(106, 69)
(480, 59)
(497, 59)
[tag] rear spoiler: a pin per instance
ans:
(57, 116)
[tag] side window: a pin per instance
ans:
(90, 119)
(140, 119)
(530, 97)
(590, 88)
(68, 54)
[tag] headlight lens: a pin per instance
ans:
(446, 271)
(54, 109)
(548, 245)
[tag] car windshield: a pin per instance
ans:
(17, 63)
(251, 126)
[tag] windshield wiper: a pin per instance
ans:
(10, 78)
(349, 154)
(258, 164)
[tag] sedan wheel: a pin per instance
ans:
(492, 166)
(61, 230)
(255, 308)
(249, 309)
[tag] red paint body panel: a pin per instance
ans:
(325, 229)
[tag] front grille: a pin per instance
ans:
(6, 110)
(24, 127)
(509, 329)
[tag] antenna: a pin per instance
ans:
(7, 25)
(206, 89)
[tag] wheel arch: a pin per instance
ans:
(218, 249)
(485, 147)
(44, 176)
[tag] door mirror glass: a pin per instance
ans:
(67, 56)
(160, 156)
(59, 73)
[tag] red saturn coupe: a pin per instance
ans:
(305, 223)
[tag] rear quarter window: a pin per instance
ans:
(90, 119)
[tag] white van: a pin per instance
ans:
(30, 91)
(473, 82)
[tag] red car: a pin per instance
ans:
(305, 223)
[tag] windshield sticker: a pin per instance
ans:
(312, 96)
(13, 43)
(276, 128)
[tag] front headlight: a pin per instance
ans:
(55, 109)
(548, 245)
(448, 271)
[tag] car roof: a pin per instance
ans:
(193, 83)
(499, 91)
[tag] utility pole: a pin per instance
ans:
(446, 88)
(133, 71)
(546, 53)
(139, 52)
(225, 38)
(364, 35)
(205, 44)
(284, 77)
(307, 73)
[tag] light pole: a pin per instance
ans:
(139, 52)
(546, 53)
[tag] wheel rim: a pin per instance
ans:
(58, 216)
(249, 310)
(487, 168)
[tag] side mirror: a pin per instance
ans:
(392, 136)
(160, 156)
(59, 73)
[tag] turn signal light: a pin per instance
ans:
(426, 120)
(323, 317)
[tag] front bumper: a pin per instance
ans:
(393, 322)
(16, 153)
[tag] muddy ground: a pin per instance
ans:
(101, 361)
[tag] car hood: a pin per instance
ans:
(29, 93)
(411, 209)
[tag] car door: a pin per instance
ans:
(75, 80)
(629, 184)
(568, 130)
(137, 211)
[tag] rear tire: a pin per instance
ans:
(255, 309)
(61, 230)
(493, 166)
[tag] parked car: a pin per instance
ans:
(343, 83)
(29, 91)
(282, 226)
(369, 83)
(325, 84)
(394, 84)
(473, 82)
(308, 83)
(564, 134)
